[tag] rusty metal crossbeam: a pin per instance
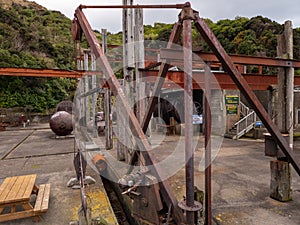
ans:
(173, 55)
(165, 6)
(40, 72)
(242, 84)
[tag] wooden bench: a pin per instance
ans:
(16, 192)
(42, 199)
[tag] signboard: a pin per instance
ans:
(231, 99)
(231, 109)
(197, 119)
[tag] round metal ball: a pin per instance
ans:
(65, 106)
(61, 123)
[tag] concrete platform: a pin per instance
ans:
(36, 150)
(240, 177)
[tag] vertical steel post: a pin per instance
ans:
(188, 107)
(207, 119)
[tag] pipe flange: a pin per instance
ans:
(196, 207)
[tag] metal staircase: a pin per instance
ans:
(245, 124)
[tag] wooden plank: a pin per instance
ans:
(21, 190)
(13, 194)
(7, 185)
(30, 185)
(16, 215)
(2, 189)
(45, 202)
(39, 198)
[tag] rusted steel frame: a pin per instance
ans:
(228, 65)
(207, 140)
(173, 54)
(188, 106)
(125, 108)
(167, 6)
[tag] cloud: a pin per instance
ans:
(215, 10)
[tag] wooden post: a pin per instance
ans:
(288, 33)
(108, 119)
(128, 66)
(139, 63)
(107, 102)
(94, 95)
(286, 83)
(280, 187)
(86, 87)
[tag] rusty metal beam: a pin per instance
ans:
(40, 73)
(242, 84)
(165, 6)
(125, 108)
(177, 55)
(174, 79)
(222, 80)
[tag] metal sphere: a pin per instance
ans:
(65, 106)
(61, 123)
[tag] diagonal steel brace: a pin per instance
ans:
(244, 87)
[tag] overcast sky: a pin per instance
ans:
(278, 10)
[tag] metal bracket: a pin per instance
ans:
(196, 207)
(187, 13)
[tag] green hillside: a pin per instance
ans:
(33, 37)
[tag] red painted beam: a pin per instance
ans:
(177, 55)
(220, 80)
(25, 72)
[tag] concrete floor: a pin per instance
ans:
(240, 177)
(240, 184)
(37, 151)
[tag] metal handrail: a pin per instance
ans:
(244, 109)
(245, 124)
